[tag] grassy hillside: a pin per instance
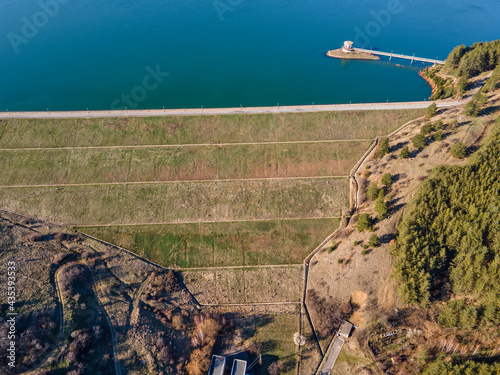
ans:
(192, 191)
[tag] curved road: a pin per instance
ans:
(229, 111)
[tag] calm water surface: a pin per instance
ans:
(75, 54)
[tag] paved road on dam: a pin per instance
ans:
(229, 111)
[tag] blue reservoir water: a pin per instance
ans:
(76, 54)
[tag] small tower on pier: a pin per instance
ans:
(347, 46)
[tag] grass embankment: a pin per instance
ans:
(112, 158)
(184, 202)
(220, 244)
(29, 133)
(87, 166)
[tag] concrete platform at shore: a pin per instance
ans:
(353, 55)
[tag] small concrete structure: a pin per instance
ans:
(345, 329)
(347, 46)
(239, 367)
(217, 365)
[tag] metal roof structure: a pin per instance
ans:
(217, 365)
(239, 367)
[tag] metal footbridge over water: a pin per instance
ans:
(397, 55)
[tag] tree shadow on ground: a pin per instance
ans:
(387, 238)
(394, 206)
(490, 110)
(398, 146)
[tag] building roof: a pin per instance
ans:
(345, 328)
(239, 367)
(217, 365)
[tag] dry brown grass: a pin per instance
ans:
(245, 285)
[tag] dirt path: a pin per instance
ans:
(118, 369)
(134, 316)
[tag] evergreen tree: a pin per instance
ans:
(437, 136)
(374, 241)
(458, 150)
(383, 148)
(373, 191)
(426, 129)
(405, 153)
(438, 125)
(381, 208)
(387, 179)
(418, 141)
(462, 84)
(450, 230)
(364, 223)
(431, 110)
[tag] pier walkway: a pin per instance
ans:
(399, 56)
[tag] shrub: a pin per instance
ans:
(405, 153)
(299, 339)
(365, 246)
(383, 148)
(418, 141)
(458, 150)
(437, 136)
(431, 110)
(372, 191)
(363, 252)
(275, 368)
(332, 248)
(387, 179)
(36, 238)
(178, 322)
(374, 240)
(356, 243)
(339, 261)
(426, 129)
(364, 223)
